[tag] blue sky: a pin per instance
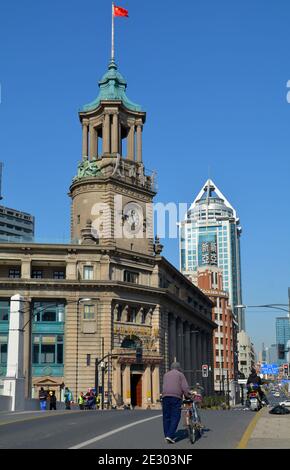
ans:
(212, 77)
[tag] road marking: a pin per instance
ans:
(248, 432)
(110, 433)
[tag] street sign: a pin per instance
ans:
(204, 369)
(269, 369)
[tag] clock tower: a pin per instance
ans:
(112, 194)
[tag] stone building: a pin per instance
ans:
(108, 292)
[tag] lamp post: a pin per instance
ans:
(103, 366)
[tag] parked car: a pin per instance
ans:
(285, 403)
(276, 394)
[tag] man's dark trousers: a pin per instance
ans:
(171, 415)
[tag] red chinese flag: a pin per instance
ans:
(118, 11)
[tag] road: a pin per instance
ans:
(138, 429)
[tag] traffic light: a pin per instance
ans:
(204, 369)
(138, 355)
(286, 369)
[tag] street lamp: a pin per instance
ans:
(271, 306)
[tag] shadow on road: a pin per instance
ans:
(182, 434)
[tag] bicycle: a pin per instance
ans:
(192, 419)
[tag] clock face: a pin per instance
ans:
(133, 217)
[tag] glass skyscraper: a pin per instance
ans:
(282, 337)
(210, 235)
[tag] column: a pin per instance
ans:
(165, 346)
(120, 138)
(115, 134)
(187, 359)
(156, 383)
(139, 143)
(14, 382)
(117, 384)
(193, 354)
(205, 360)
(85, 140)
(198, 358)
(146, 386)
(131, 142)
(106, 133)
(26, 269)
(127, 385)
(180, 338)
(93, 143)
(172, 339)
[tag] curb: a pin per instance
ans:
(248, 432)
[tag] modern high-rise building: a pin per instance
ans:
(15, 226)
(210, 234)
(282, 337)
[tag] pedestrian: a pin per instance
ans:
(42, 395)
(81, 401)
(52, 400)
(67, 398)
(174, 387)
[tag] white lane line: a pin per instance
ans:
(110, 433)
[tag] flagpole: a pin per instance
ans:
(113, 35)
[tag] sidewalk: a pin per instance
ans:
(268, 432)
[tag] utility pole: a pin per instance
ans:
(103, 374)
(228, 387)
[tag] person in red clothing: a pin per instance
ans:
(174, 387)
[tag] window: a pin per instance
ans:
(36, 274)
(4, 310)
(47, 349)
(88, 359)
(88, 273)
(143, 317)
(130, 276)
(3, 349)
(14, 273)
(89, 312)
(131, 315)
(48, 312)
(79, 219)
(119, 313)
(58, 275)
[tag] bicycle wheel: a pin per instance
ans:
(191, 433)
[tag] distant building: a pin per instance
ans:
(282, 337)
(210, 234)
(15, 226)
(273, 355)
(246, 353)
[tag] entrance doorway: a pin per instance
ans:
(136, 390)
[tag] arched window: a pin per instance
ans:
(131, 342)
